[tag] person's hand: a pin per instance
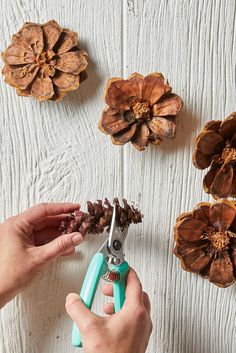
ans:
(127, 331)
(28, 241)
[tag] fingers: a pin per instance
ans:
(134, 293)
(107, 290)
(39, 212)
(79, 313)
(109, 309)
(65, 244)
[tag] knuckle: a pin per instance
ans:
(140, 312)
(42, 206)
(90, 324)
(63, 245)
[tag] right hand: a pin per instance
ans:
(127, 331)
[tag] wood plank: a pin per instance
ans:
(193, 44)
(54, 152)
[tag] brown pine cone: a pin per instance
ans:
(140, 110)
(99, 217)
(206, 241)
(215, 146)
(44, 61)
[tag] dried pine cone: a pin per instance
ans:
(206, 241)
(141, 110)
(99, 217)
(44, 61)
(215, 146)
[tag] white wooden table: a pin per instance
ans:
(54, 152)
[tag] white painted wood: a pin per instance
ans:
(54, 152)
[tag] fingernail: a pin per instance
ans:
(72, 298)
(77, 239)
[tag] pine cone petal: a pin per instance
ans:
(140, 140)
(201, 160)
(42, 88)
(221, 271)
(113, 122)
(202, 212)
(67, 41)
(65, 81)
(197, 259)
(208, 142)
(136, 81)
(169, 105)
(221, 185)
(20, 77)
(32, 35)
(117, 94)
(154, 88)
(222, 214)
(228, 126)
(17, 55)
(52, 32)
(124, 136)
(190, 229)
(72, 62)
(163, 128)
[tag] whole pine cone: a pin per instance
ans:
(215, 146)
(140, 110)
(44, 61)
(206, 241)
(99, 217)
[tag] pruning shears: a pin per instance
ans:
(108, 263)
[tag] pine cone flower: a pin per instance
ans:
(141, 110)
(206, 241)
(44, 61)
(99, 217)
(215, 146)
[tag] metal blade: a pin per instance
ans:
(113, 227)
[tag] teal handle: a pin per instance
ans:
(120, 286)
(96, 270)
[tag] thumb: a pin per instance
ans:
(80, 314)
(63, 244)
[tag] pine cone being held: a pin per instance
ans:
(206, 241)
(44, 61)
(99, 217)
(215, 146)
(140, 110)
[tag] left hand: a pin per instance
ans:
(28, 241)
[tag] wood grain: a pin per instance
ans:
(54, 152)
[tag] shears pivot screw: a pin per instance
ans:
(117, 245)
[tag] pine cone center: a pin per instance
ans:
(141, 110)
(44, 58)
(219, 239)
